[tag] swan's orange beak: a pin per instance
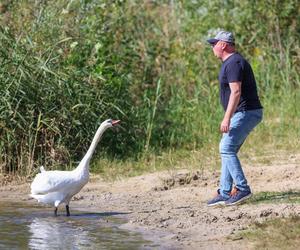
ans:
(115, 122)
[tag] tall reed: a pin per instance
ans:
(67, 65)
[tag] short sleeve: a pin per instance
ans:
(234, 72)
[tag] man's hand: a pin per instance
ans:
(225, 125)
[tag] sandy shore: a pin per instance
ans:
(170, 209)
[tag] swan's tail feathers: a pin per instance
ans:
(42, 169)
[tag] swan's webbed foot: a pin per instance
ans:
(68, 210)
(55, 211)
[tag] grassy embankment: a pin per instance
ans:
(66, 66)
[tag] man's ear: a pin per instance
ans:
(223, 45)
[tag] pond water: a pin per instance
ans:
(35, 227)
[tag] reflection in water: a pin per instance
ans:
(24, 227)
(48, 233)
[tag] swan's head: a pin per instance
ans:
(110, 123)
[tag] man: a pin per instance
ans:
(243, 111)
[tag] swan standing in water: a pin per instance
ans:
(56, 187)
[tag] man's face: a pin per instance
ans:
(218, 49)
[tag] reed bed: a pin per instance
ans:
(68, 65)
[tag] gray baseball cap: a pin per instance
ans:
(225, 36)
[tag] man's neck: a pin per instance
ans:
(227, 55)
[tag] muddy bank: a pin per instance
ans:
(170, 207)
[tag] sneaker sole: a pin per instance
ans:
(239, 201)
(220, 203)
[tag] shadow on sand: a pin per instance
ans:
(279, 197)
(93, 214)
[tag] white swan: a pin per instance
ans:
(56, 187)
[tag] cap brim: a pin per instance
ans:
(212, 40)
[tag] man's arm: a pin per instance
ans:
(235, 88)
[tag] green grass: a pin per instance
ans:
(66, 66)
(152, 162)
(273, 234)
(275, 197)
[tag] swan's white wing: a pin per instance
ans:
(50, 198)
(53, 181)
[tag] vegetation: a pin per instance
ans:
(68, 65)
(274, 234)
(276, 197)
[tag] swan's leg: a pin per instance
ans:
(55, 211)
(68, 210)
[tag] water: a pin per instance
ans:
(34, 227)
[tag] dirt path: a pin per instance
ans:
(170, 207)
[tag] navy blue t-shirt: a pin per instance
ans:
(237, 69)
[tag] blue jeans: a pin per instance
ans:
(241, 124)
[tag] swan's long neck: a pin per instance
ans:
(84, 164)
